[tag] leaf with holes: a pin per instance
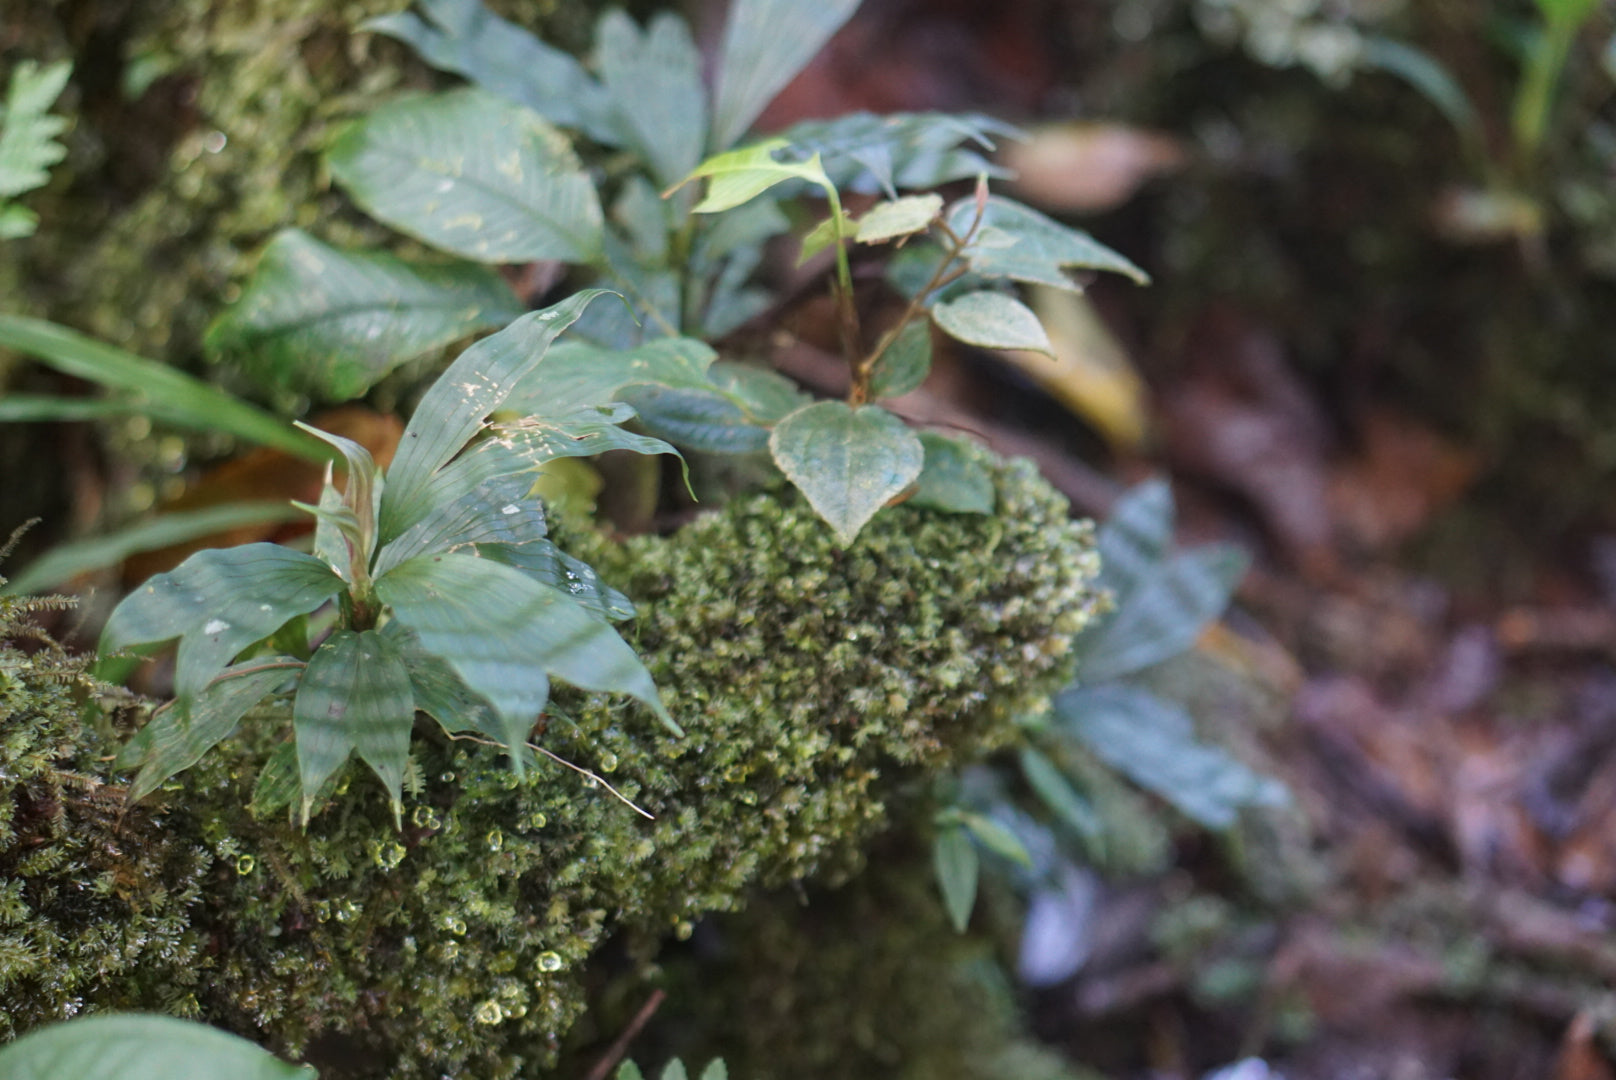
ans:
(739, 176)
(848, 462)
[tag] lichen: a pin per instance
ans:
(819, 689)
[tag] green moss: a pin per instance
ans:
(819, 688)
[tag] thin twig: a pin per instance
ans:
(603, 1067)
(537, 749)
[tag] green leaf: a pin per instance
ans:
(766, 43)
(715, 1070)
(504, 633)
(549, 565)
(64, 562)
(1018, 242)
(817, 239)
(1153, 743)
(867, 153)
(1164, 615)
(996, 838)
(904, 364)
(655, 83)
(497, 511)
(28, 146)
(33, 408)
(361, 497)
(629, 1071)
(163, 392)
(1422, 71)
(218, 602)
(277, 785)
(16, 221)
(439, 692)
(954, 859)
(849, 462)
(732, 414)
(576, 375)
(455, 407)
(182, 731)
(645, 219)
(739, 176)
(674, 1070)
(355, 697)
(463, 37)
(1058, 794)
(899, 217)
(134, 1047)
(1135, 539)
(318, 320)
(952, 480)
(472, 174)
(991, 320)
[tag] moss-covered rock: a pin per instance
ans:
(819, 687)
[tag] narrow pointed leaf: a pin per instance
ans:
(218, 602)
(1164, 615)
(904, 364)
(472, 174)
(952, 480)
(997, 838)
(549, 565)
(455, 407)
(355, 697)
(766, 42)
(1058, 794)
(181, 732)
(991, 320)
(848, 462)
(363, 491)
(654, 79)
(277, 785)
(135, 1047)
(439, 691)
(956, 864)
(318, 320)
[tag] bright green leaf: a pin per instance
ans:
(952, 480)
(955, 861)
(629, 1071)
(28, 146)
(739, 176)
(674, 1070)
(355, 697)
(818, 238)
(218, 602)
(133, 1047)
(848, 462)
(654, 80)
(715, 1070)
(991, 320)
(904, 364)
(899, 217)
(472, 174)
(318, 320)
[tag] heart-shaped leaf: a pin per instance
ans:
(848, 462)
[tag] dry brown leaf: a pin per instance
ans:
(1088, 167)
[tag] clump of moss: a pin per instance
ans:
(93, 914)
(819, 688)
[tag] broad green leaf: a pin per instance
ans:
(655, 84)
(499, 510)
(463, 37)
(954, 859)
(904, 364)
(867, 153)
(645, 219)
(1153, 743)
(28, 146)
(1027, 246)
(1164, 615)
(1058, 794)
(1135, 539)
(182, 731)
(504, 633)
(766, 42)
(576, 375)
(354, 697)
(675, 1070)
(766, 396)
(991, 320)
(439, 692)
(163, 392)
(455, 407)
(899, 217)
(318, 320)
(702, 420)
(549, 565)
(64, 562)
(218, 602)
(952, 480)
(472, 174)
(848, 462)
(996, 838)
(135, 1047)
(739, 176)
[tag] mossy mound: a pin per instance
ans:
(819, 688)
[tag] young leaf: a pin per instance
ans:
(183, 730)
(1164, 615)
(654, 80)
(629, 1071)
(218, 602)
(318, 320)
(739, 176)
(355, 696)
(1027, 246)
(991, 320)
(904, 364)
(952, 480)
(472, 174)
(955, 862)
(463, 37)
(503, 633)
(28, 146)
(1153, 743)
(455, 407)
(361, 497)
(899, 217)
(848, 462)
(112, 1047)
(766, 42)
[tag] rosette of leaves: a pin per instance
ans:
(449, 598)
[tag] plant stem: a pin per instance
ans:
(846, 311)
